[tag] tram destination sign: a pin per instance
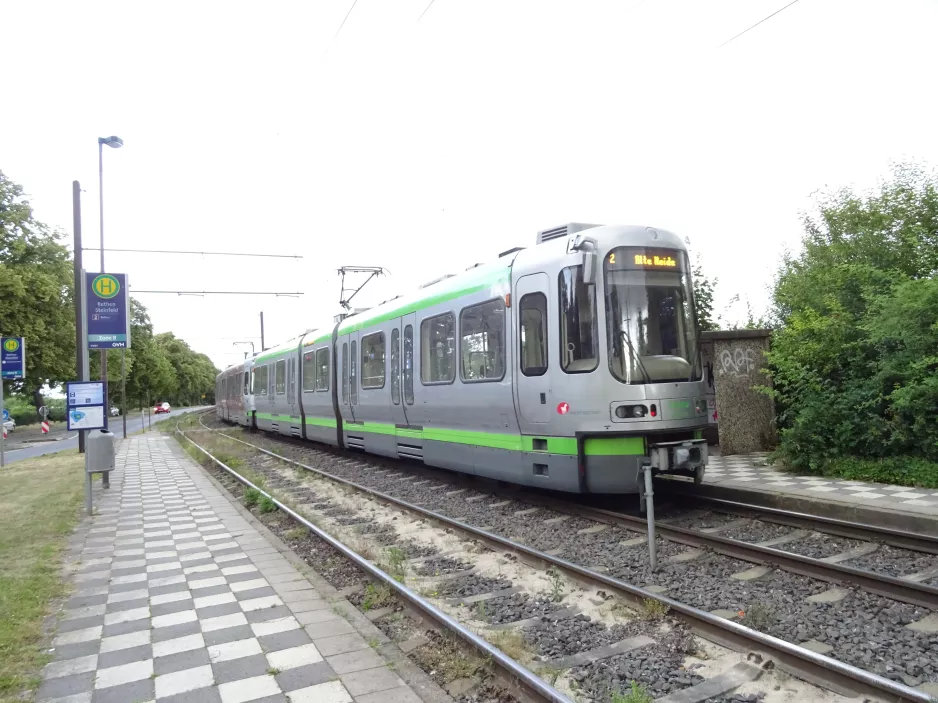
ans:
(108, 312)
(645, 259)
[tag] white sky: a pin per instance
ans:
(427, 147)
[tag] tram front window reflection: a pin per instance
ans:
(649, 317)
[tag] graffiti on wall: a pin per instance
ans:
(738, 362)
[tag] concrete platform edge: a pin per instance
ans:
(832, 508)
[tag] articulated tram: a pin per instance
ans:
(568, 365)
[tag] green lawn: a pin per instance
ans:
(40, 502)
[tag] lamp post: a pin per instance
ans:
(114, 143)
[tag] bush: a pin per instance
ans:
(854, 360)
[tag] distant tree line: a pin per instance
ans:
(37, 302)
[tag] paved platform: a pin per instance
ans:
(748, 478)
(179, 599)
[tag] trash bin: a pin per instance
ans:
(99, 445)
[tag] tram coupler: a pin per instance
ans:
(649, 504)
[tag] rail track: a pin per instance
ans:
(799, 660)
(528, 685)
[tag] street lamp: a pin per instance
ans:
(114, 143)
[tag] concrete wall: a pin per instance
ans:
(734, 361)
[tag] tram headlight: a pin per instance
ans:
(631, 412)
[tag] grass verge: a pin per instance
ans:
(40, 500)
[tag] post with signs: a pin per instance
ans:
(85, 410)
(12, 366)
(107, 320)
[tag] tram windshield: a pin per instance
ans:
(649, 316)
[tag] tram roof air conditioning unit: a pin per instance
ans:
(546, 235)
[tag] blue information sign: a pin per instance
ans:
(12, 357)
(84, 405)
(108, 321)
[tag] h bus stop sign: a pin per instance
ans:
(12, 357)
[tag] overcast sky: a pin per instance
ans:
(427, 146)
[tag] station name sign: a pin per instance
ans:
(108, 320)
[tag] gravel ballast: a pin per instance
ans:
(658, 668)
(865, 630)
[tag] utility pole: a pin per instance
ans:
(263, 348)
(81, 354)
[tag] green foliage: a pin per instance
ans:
(266, 505)
(637, 694)
(377, 595)
(37, 302)
(704, 290)
(903, 470)
(853, 363)
(251, 497)
(36, 283)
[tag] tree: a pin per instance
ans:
(703, 298)
(194, 373)
(853, 360)
(152, 375)
(36, 296)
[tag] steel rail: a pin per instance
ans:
(531, 682)
(883, 584)
(817, 668)
(874, 533)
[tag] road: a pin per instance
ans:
(116, 426)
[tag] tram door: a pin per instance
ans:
(395, 374)
(531, 302)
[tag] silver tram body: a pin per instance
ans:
(568, 366)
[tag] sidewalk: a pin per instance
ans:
(745, 478)
(178, 599)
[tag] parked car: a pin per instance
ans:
(115, 411)
(9, 425)
(161, 408)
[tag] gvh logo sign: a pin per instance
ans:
(563, 408)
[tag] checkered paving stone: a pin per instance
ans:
(751, 472)
(177, 598)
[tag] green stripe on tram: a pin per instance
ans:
(594, 446)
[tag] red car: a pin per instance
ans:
(161, 408)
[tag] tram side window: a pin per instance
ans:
(373, 361)
(309, 371)
(578, 344)
(260, 380)
(353, 374)
(247, 383)
(345, 373)
(280, 378)
(322, 369)
(290, 378)
(482, 341)
(409, 365)
(534, 334)
(396, 366)
(438, 349)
